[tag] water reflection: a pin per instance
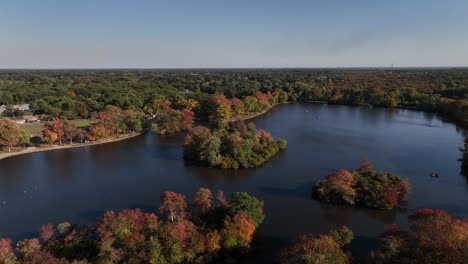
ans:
(213, 176)
(343, 215)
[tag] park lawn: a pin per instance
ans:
(84, 122)
(35, 129)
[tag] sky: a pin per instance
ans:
(232, 33)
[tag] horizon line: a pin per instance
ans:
(235, 68)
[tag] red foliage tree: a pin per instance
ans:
(221, 197)
(263, 99)
(57, 128)
(189, 116)
(125, 232)
(264, 137)
(220, 107)
(162, 105)
(434, 237)
(97, 131)
(7, 254)
(309, 249)
(106, 121)
(238, 107)
(238, 231)
(174, 204)
(46, 232)
(365, 166)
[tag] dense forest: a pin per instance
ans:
(80, 94)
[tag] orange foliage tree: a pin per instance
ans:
(9, 133)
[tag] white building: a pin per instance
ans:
(23, 107)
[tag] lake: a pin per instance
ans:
(78, 185)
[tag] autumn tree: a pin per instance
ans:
(339, 188)
(57, 128)
(172, 121)
(238, 108)
(28, 247)
(203, 199)
(220, 110)
(52, 132)
(81, 134)
(46, 232)
(9, 133)
(7, 254)
(123, 236)
(97, 131)
(263, 100)
(238, 230)
(105, 123)
(202, 145)
(173, 204)
(70, 130)
(434, 237)
(48, 136)
(187, 103)
(311, 249)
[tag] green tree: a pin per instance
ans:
(253, 208)
(25, 137)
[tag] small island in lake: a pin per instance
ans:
(363, 187)
(230, 143)
(237, 146)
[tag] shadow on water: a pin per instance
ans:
(215, 175)
(303, 190)
(361, 246)
(261, 243)
(92, 216)
(342, 214)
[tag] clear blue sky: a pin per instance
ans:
(237, 33)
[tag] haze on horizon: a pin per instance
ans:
(234, 34)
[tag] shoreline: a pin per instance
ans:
(35, 149)
(253, 115)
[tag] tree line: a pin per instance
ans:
(80, 94)
(110, 123)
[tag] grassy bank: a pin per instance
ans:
(35, 129)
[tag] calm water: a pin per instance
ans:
(78, 185)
